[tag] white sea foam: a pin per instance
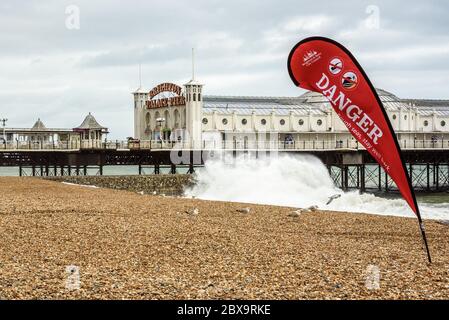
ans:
(80, 185)
(297, 181)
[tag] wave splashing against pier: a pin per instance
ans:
(297, 181)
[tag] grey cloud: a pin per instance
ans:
(59, 75)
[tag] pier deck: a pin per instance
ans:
(350, 168)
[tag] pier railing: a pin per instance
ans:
(224, 145)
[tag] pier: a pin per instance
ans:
(349, 165)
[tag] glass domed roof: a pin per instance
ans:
(389, 100)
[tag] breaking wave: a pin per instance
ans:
(293, 180)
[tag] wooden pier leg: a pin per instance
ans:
(386, 181)
(362, 178)
(101, 170)
(342, 176)
(140, 169)
(33, 171)
(85, 170)
(346, 177)
(437, 176)
(173, 168)
(46, 170)
(428, 176)
(434, 174)
(379, 174)
(62, 171)
(55, 170)
(20, 170)
(41, 170)
(191, 168)
(156, 168)
(358, 176)
(69, 170)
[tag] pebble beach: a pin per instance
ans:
(129, 245)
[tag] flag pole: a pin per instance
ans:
(424, 238)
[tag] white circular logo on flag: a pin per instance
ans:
(349, 80)
(335, 66)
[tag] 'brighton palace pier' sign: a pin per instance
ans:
(178, 100)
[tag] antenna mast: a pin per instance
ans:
(193, 64)
(140, 75)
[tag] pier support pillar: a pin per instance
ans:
(411, 173)
(358, 176)
(157, 168)
(436, 171)
(344, 177)
(379, 175)
(428, 175)
(173, 168)
(191, 168)
(362, 178)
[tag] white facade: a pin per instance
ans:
(194, 113)
(294, 120)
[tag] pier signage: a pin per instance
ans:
(323, 65)
(177, 98)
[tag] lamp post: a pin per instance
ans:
(3, 121)
(159, 122)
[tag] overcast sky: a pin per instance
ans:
(51, 69)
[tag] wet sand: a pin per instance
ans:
(132, 246)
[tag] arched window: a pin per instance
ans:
(443, 123)
(157, 116)
(319, 122)
(177, 119)
(282, 122)
(147, 119)
(167, 122)
(301, 122)
(244, 121)
(426, 123)
(263, 122)
(205, 121)
(224, 121)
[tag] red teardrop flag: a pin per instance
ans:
(323, 65)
